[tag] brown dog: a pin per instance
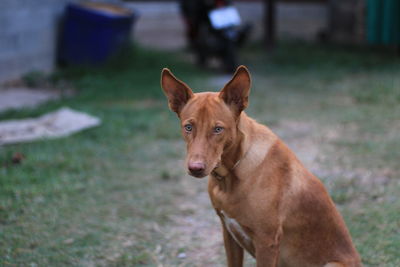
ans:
(269, 203)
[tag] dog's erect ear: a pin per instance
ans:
(177, 92)
(236, 92)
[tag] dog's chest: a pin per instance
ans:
(238, 233)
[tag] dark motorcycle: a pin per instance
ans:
(214, 29)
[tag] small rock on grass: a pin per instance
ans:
(181, 255)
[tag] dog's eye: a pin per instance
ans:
(218, 129)
(188, 127)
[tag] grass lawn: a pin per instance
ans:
(117, 195)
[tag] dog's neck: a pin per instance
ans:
(247, 149)
(235, 152)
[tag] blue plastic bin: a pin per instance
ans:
(93, 32)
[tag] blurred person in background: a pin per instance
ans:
(214, 28)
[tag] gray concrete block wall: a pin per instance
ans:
(347, 21)
(28, 33)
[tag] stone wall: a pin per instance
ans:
(347, 21)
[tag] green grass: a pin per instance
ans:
(101, 196)
(70, 198)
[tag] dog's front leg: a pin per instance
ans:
(234, 252)
(267, 257)
(267, 251)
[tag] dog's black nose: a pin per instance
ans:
(196, 168)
